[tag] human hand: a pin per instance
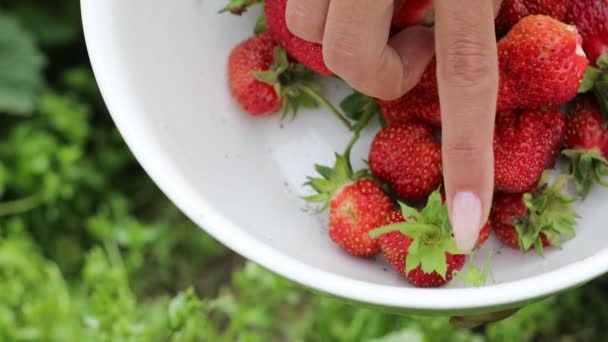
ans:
(357, 47)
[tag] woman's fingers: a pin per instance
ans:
(467, 72)
(306, 18)
(356, 47)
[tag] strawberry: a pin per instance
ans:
(512, 11)
(356, 205)
(254, 54)
(413, 12)
(526, 143)
(541, 63)
(408, 157)
(591, 19)
(307, 53)
(263, 80)
(587, 144)
(538, 219)
(420, 245)
(411, 107)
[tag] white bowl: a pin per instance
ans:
(161, 67)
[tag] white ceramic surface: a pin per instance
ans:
(161, 66)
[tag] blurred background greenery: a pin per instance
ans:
(90, 250)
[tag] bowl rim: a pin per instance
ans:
(155, 161)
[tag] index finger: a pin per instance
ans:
(467, 73)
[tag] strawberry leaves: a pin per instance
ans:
(294, 84)
(549, 212)
(596, 80)
(587, 168)
(239, 7)
(431, 234)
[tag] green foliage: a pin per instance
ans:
(90, 249)
(20, 68)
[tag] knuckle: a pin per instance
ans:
(296, 20)
(468, 60)
(466, 150)
(342, 55)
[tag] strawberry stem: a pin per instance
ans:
(323, 101)
(367, 115)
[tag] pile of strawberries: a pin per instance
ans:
(553, 58)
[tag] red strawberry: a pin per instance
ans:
(536, 219)
(421, 247)
(587, 144)
(591, 19)
(411, 107)
(263, 80)
(356, 206)
(541, 63)
(255, 96)
(525, 144)
(408, 157)
(413, 12)
(307, 53)
(512, 11)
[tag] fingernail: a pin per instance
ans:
(466, 220)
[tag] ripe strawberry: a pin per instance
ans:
(263, 80)
(254, 54)
(525, 144)
(421, 247)
(587, 144)
(411, 107)
(512, 11)
(541, 63)
(356, 206)
(307, 53)
(538, 219)
(591, 19)
(408, 157)
(413, 12)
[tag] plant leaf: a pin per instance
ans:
(21, 65)
(260, 25)
(588, 82)
(354, 105)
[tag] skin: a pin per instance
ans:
(357, 47)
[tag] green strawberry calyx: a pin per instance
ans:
(333, 179)
(294, 84)
(239, 7)
(549, 213)
(431, 234)
(587, 167)
(596, 80)
(474, 276)
(341, 174)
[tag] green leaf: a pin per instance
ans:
(354, 105)
(386, 229)
(588, 82)
(239, 7)
(408, 212)
(326, 172)
(432, 260)
(412, 262)
(602, 62)
(269, 77)
(601, 94)
(342, 168)
(260, 25)
(21, 67)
